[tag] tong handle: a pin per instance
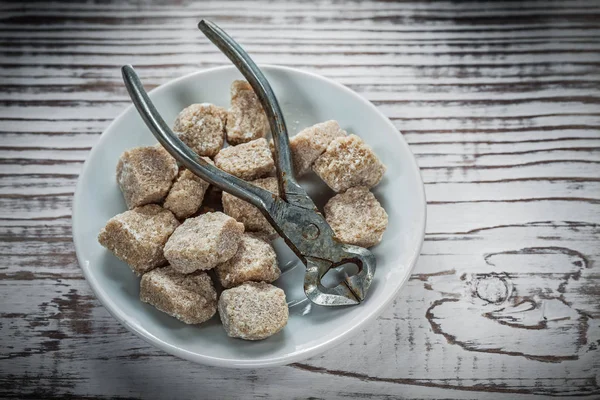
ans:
(258, 197)
(289, 189)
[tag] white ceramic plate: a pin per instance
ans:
(306, 99)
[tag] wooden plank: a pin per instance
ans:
(71, 303)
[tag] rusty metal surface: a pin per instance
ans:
(293, 215)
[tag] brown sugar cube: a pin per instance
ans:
(247, 161)
(145, 175)
(187, 193)
(189, 298)
(138, 236)
(349, 162)
(246, 119)
(265, 236)
(356, 217)
(202, 127)
(255, 260)
(246, 213)
(311, 142)
(202, 242)
(253, 310)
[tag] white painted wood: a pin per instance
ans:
(499, 102)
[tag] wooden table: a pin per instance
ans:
(500, 103)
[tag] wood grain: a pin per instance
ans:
(500, 104)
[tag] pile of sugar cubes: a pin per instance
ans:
(180, 248)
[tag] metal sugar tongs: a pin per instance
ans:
(293, 214)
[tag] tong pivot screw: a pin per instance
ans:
(311, 232)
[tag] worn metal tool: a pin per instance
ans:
(293, 214)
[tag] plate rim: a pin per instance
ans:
(296, 356)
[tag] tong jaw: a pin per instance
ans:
(293, 214)
(309, 235)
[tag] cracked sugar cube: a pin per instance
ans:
(247, 161)
(255, 260)
(138, 236)
(311, 142)
(348, 162)
(253, 310)
(145, 175)
(203, 242)
(187, 193)
(246, 213)
(189, 298)
(202, 128)
(246, 119)
(356, 217)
